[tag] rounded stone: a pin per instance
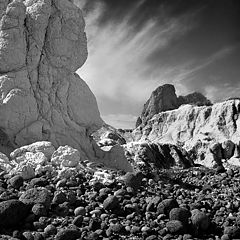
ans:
(50, 230)
(111, 203)
(181, 214)
(16, 181)
(175, 227)
(166, 206)
(79, 211)
(39, 210)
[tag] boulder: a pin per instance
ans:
(66, 156)
(37, 195)
(166, 206)
(5, 164)
(181, 214)
(200, 221)
(12, 213)
(26, 164)
(42, 98)
(44, 147)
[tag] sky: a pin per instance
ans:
(134, 46)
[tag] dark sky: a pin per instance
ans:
(137, 45)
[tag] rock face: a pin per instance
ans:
(42, 44)
(164, 99)
(195, 98)
(146, 155)
(196, 129)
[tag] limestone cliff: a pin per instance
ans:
(42, 44)
(194, 127)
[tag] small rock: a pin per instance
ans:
(175, 227)
(59, 198)
(111, 203)
(77, 221)
(28, 236)
(232, 231)
(79, 211)
(68, 234)
(166, 206)
(50, 230)
(39, 210)
(16, 181)
(132, 180)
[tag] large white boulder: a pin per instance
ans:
(42, 44)
(42, 99)
(66, 156)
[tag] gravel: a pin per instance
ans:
(195, 203)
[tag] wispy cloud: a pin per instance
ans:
(127, 62)
(117, 66)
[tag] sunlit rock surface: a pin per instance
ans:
(196, 128)
(42, 44)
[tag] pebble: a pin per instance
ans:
(16, 181)
(79, 211)
(175, 227)
(50, 230)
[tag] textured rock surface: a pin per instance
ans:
(42, 44)
(12, 213)
(195, 98)
(157, 155)
(195, 128)
(164, 98)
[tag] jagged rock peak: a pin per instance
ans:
(164, 98)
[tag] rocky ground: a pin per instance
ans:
(195, 203)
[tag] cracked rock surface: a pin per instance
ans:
(42, 44)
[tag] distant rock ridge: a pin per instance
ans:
(197, 129)
(164, 98)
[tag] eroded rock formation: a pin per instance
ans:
(164, 98)
(196, 129)
(42, 44)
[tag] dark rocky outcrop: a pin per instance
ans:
(164, 98)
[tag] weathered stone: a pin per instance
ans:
(228, 149)
(66, 156)
(195, 129)
(12, 213)
(36, 195)
(200, 221)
